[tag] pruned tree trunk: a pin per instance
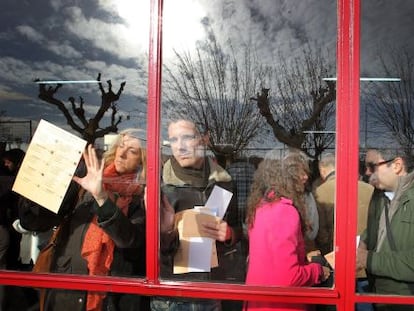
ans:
(88, 128)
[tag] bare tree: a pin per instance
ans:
(88, 128)
(213, 89)
(301, 109)
(392, 103)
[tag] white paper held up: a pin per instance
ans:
(219, 200)
(48, 166)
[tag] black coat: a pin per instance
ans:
(128, 233)
(183, 196)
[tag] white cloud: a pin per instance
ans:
(8, 94)
(77, 33)
(181, 25)
(15, 70)
(56, 4)
(271, 27)
(63, 49)
(114, 38)
(30, 33)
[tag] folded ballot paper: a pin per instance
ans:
(49, 165)
(197, 253)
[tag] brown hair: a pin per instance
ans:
(276, 178)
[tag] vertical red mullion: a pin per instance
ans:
(153, 139)
(347, 141)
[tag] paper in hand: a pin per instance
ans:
(48, 166)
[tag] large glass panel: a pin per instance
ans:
(81, 66)
(386, 141)
(243, 81)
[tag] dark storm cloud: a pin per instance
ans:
(75, 40)
(67, 40)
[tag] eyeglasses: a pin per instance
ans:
(372, 166)
(183, 138)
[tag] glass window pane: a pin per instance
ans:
(250, 80)
(386, 137)
(82, 66)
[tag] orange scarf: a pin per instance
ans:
(98, 247)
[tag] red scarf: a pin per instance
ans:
(98, 247)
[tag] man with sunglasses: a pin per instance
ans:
(386, 248)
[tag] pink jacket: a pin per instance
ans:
(277, 253)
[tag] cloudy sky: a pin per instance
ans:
(72, 40)
(77, 39)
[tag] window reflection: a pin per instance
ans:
(386, 141)
(244, 78)
(82, 66)
(268, 39)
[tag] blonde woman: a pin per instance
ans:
(102, 225)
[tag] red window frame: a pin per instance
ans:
(347, 148)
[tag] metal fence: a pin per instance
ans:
(15, 134)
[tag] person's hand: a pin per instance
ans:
(326, 273)
(362, 245)
(312, 254)
(167, 216)
(218, 231)
(361, 258)
(92, 182)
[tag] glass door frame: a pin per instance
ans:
(347, 148)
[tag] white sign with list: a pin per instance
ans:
(48, 166)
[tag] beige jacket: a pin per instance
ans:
(325, 200)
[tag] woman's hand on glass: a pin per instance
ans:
(92, 181)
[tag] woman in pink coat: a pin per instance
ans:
(276, 220)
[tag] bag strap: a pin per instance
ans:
(389, 232)
(55, 234)
(56, 229)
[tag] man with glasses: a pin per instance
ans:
(371, 163)
(188, 179)
(386, 248)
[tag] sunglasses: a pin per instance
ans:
(372, 166)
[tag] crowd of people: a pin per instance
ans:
(276, 229)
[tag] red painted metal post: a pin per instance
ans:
(343, 295)
(347, 139)
(153, 138)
